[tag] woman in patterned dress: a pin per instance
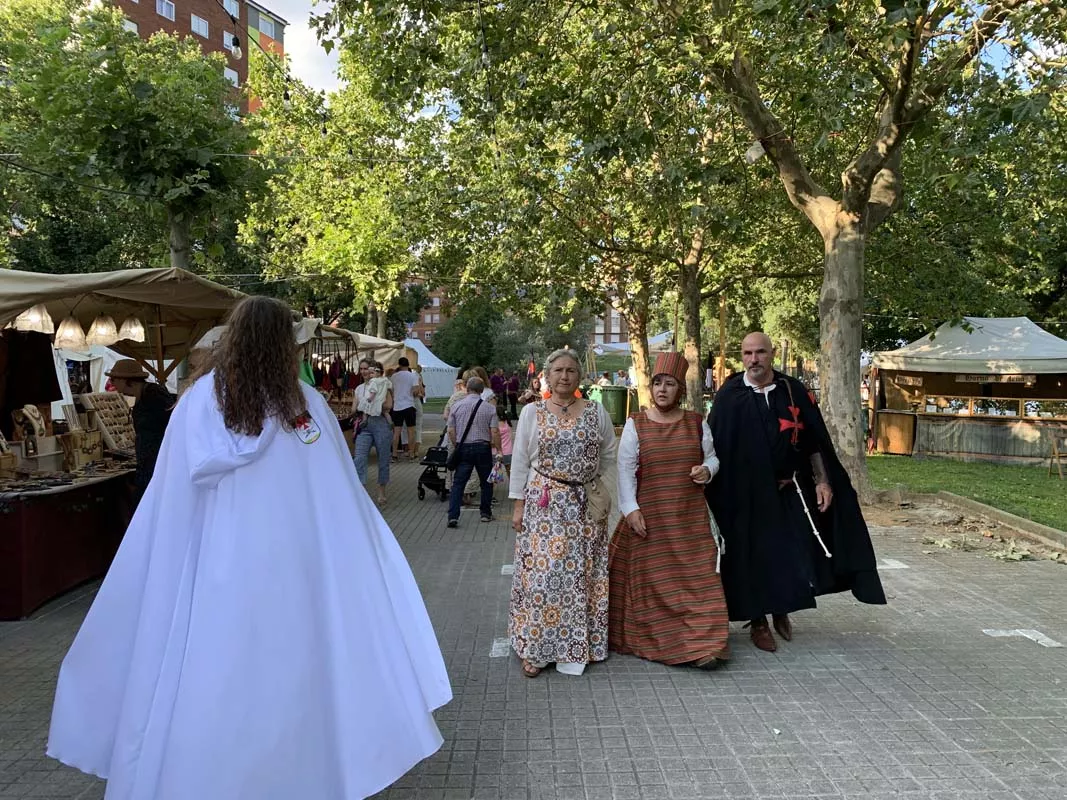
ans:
(667, 601)
(559, 593)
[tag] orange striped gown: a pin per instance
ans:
(666, 601)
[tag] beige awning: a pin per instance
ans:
(176, 307)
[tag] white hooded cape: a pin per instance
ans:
(259, 635)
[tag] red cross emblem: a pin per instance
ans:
(795, 423)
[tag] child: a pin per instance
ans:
(377, 387)
(505, 435)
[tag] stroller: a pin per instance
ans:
(433, 477)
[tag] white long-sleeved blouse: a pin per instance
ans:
(629, 458)
(524, 447)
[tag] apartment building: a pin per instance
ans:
(610, 327)
(430, 318)
(211, 23)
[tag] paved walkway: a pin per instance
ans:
(908, 701)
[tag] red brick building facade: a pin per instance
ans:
(210, 24)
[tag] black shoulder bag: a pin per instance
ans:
(453, 458)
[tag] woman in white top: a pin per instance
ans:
(559, 593)
(371, 407)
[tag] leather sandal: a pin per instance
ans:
(708, 664)
(762, 636)
(784, 626)
(529, 670)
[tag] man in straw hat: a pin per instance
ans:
(151, 413)
(666, 600)
(789, 515)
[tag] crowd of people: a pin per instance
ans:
(260, 633)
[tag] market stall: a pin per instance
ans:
(989, 388)
(65, 499)
(152, 315)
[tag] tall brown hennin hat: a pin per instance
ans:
(673, 364)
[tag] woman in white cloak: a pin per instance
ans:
(260, 635)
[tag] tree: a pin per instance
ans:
(152, 123)
(334, 205)
(468, 337)
(589, 158)
(873, 76)
(830, 92)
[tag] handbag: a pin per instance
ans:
(453, 458)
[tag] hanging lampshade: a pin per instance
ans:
(102, 331)
(133, 329)
(35, 319)
(70, 335)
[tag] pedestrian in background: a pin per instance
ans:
(405, 384)
(474, 432)
(371, 404)
(514, 385)
(559, 593)
(532, 393)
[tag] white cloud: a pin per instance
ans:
(307, 59)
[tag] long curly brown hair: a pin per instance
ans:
(257, 367)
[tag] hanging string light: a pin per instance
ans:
(70, 335)
(132, 329)
(103, 331)
(35, 319)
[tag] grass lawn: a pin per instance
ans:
(1025, 491)
(434, 405)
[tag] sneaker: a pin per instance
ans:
(453, 523)
(487, 517)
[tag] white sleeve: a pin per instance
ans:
(609, 445)
(629, 450)
(711, 461)
(523, 451)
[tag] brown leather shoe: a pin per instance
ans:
(762, 636)
(784, 626)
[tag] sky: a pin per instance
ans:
(308, 61)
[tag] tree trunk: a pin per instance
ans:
(689, 290)
(841, 339)
(181, 235)
(637, 325)
(383, 322)
(372, 317)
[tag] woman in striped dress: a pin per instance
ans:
(666, 598)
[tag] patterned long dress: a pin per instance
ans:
(559, 592)
(667, 601)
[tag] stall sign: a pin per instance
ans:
(909, 380)
(1028, 379)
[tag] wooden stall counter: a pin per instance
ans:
(55, 537)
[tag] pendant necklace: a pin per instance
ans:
(563, 408)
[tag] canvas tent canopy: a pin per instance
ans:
(328, 340)
(994, 346)
(437, 376)
(176, 307)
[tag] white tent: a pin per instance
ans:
(436, 374)
(996, 346)
(660, 343)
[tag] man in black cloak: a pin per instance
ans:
(788, 513)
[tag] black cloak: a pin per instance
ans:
(771, 562)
